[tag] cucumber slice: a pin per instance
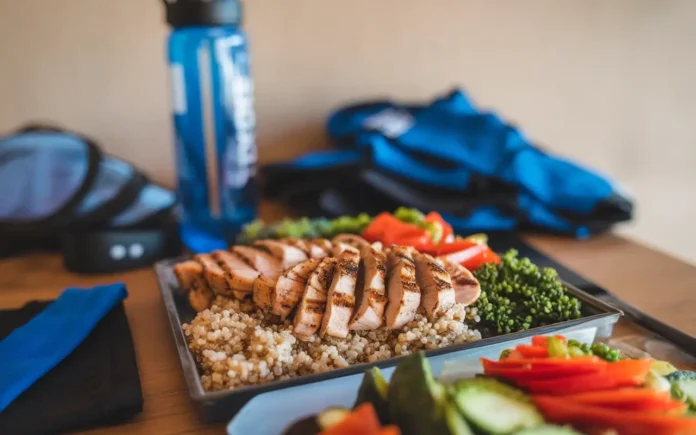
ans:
(493, 411)
(548, 429)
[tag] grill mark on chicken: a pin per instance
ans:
(462, 280)
(341, 296)
(310, 310)
(406, 258)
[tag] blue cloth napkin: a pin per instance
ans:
(33, 349)
(485, 173)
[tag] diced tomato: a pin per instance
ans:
(542, 340)
(363, 420)
(563, 411)
(532, 351)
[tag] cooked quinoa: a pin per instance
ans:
(237, 344)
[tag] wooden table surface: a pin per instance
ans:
(658, 284)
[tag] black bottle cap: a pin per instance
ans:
(183, 13)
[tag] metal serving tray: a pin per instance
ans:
(598, 322)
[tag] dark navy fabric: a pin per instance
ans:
(451, 149)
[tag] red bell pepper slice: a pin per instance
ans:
(543, 373)
(532, 370)
(626, 373)
(533, 351)
(363, 420)
(487, 256)
(635, 399)
(563, 411)
(546, 362)
(389, 230)
(543, 341)
(439, 249)
(447, 231)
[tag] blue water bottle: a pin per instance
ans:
(214, 122)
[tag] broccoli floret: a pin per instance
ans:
(518, 295)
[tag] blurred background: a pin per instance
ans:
(608, 83)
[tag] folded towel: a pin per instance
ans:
(32, 350)
(481, 172)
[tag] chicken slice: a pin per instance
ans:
(287, 254)
(263, 287)
(340, 299)
(403, 291)
(370, 291)
(437, 293)
(240, 276)
(213, 274)
(311, 308)
(260, 260)
(323, 244)
(190, 276)
(466, 287)
(290, 286)
(310, 249)
(352, 240)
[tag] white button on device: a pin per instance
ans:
(136, 250)
(117, 252)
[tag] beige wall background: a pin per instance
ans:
(608, 82)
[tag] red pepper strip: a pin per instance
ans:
(636, 399)
(543, 341)
(450, 248)
(390, 430)
(544, 373)
(626, 373)
(487, 256)
(361, 421)
(389, 230)
(447, 230)
(532, 351)
(546, 362)
(562, 411)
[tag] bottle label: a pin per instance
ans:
(176, 72)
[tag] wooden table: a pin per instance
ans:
(655, 282)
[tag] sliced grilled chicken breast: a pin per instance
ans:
(402, 289)
(370, 290)
(240, 276)
(263, 287)
(287, 254)
(214, 274)
(311, 308)
(341, 297)
(190, 276)
(310, 249)
(290, 286)
(352, 240)
(260, 260)
(324, 245)
(437, 293)
(466, 287)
